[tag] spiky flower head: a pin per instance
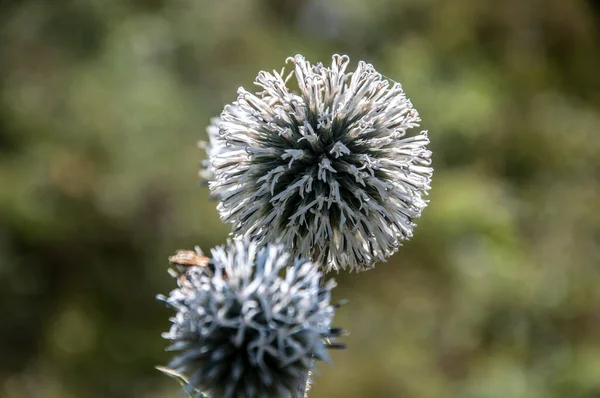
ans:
(213, 147)
(328, 171)
(243, 330)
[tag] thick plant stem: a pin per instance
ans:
(303, 386)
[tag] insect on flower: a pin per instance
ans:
(190, 258)
(184, 259)
(255, 333)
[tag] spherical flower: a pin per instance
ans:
(329, 171)
(249, 322)
(213, 147)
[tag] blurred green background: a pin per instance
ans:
(101, 105)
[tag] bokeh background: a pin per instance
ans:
(101, 105)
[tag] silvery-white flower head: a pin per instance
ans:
(329, 171)
(249, 322)
(213, 147)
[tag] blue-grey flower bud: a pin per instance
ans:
(249, 322)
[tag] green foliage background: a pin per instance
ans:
(101, 105)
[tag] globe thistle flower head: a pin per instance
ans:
(329, 171)
(249, 322)
(213, 147)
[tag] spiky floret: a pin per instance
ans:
(241, 330)
(328, 172)
(213, 147)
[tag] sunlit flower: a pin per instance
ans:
(249, 322)
(213, 147)
(328, 171)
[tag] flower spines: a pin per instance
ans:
(329, 172)
(242, 330)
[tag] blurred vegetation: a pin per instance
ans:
(101, 105)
